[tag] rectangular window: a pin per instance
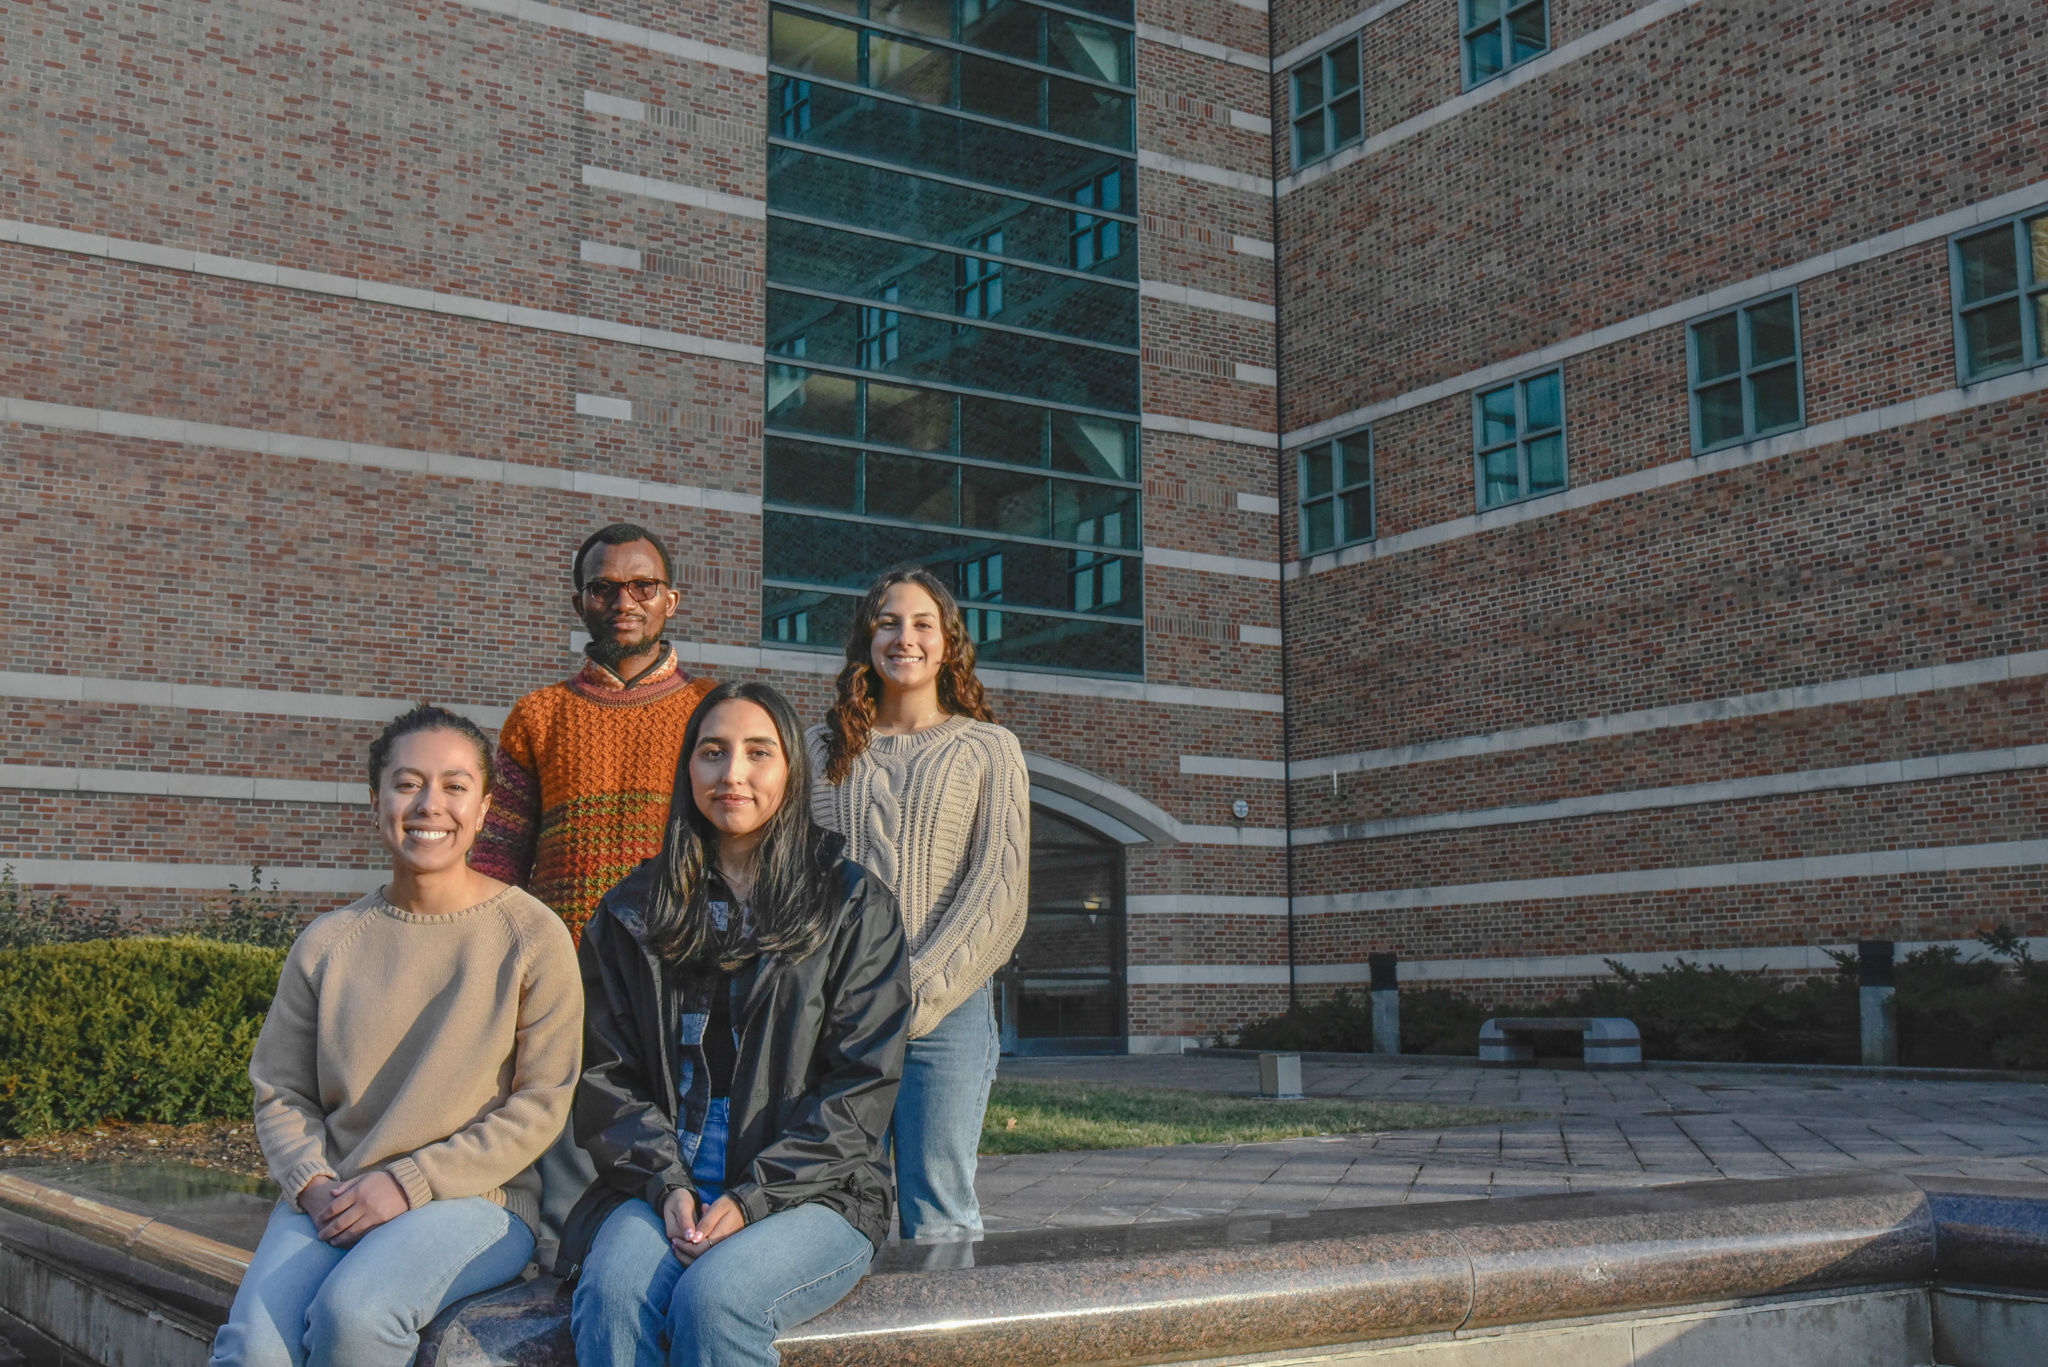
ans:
(1745, 373)
(793, 109)
(1329, 105)
(981, 581)
(793, 627)
(881, 332)
(1091, 238)
(978, 289)
(1518, 439)
(2000, 282)
(1336, 493)
(1098, 575)
(1500, 34)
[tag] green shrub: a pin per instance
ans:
(1720, 1015)
(1434, 1020)
(254, 915)
(130, 1029)
(26, 919)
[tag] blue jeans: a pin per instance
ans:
(304, 1303)
(637, 1306)
(937, 1129)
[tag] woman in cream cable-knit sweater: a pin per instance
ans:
(933, 799)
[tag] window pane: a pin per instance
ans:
(1482, 50)
(921, 419)
(1002, 501)
(1776, 395)
(812, 45)
(1546, 464)
(1354, 462)
(1497, 414)
(1347, 120)
(1315, 471)
(919, 490)
(1771, 335)
(1089, 445)
(1089, 49)
(1525, 27)
(1357, 506)
(995, 430)
(1721, 413)
(1989, 265)
(1503, 480)
(1086, 111)
(910, 69)
(818, 476)
(812, 403)
(1308, 86)
(2037, 236)
(802, 617)
(1992, 337)
(1318, 530)
(919, 16)
(1344, 69)
(1716, 348)
(1308, 139)
(1479, 12)
(1094, 514)
(1005, 26)
(1540, 401)
(999, 90)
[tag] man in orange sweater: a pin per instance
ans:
(586, 766)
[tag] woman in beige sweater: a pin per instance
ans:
(933, 798)
(420, 1055)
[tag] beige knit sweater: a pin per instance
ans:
(441, 1049)
(943, 817)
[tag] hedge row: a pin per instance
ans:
(130, 1029)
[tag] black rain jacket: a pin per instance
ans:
(820, 1043)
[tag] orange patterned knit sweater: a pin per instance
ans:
(585, 770)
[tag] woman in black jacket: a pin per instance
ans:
(747, 994)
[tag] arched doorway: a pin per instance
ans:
(1063, 990)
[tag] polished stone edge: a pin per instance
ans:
(144, 1236)
(1849, 1070)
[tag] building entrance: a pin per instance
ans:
(1063, 990)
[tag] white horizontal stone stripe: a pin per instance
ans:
(604, 254)
(367, 291)
(179, 783)
(1258, 636)
(1533, 70)
(1203, 299)
(1212, 564)
(1336, 33)
(627, 35)
(1902, 683)
(1222, 766)
(1927, 408)
(263, 702)
(1215, 431)
(1202, 47)
(604, 406)
(1884, 244)
(672, 192)
(1690, 795)
(1256, 374)
(291, 446)
(1251, 246)
(127, 873)
(1173, 904)
(1251, 123)
(1259, 503)
(1638, 882)
(1194, 975)
(1780, 958)
(1259, 5)
(1203, 171)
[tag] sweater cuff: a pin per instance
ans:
(301, 1177)
(411, 1181)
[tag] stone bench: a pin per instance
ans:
(1611, 1041)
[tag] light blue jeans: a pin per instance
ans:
(937, 1129)
(304, 1303)
(637, 1306)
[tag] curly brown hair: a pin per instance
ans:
(852, 718)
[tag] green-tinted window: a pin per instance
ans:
(1518, 436)
(1336, 492)
(1501, 34)
(1746, 379)
(1328, 103)
(2001, 296)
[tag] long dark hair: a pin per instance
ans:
(793, 889)
(852, 718)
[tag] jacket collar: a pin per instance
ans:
(597, 676)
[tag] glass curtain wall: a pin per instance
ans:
(953, 321)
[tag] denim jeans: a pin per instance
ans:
(304, 1303)
(937, 1129)
(637, 1306)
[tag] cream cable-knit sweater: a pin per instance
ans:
(943, 817)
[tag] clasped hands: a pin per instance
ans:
(344, 1212)
(691, 1236)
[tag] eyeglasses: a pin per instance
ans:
(605, 592)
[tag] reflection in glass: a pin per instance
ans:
(813, 45)
(912, 489)
(806, 473)
(1090, 50)
(910, 69)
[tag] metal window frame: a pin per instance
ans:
(2033, 346)
(1337, 491)
(1523, 436)
(1321, 110)
(1744, 370)
(1507, 44)
(1093, 228)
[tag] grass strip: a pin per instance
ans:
(1050, 1117)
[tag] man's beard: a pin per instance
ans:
(610, 652)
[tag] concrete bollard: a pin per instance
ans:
(1386, 1004)
(1880, 1014)
(1280, 1077)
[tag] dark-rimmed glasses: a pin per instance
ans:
(605, 592)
